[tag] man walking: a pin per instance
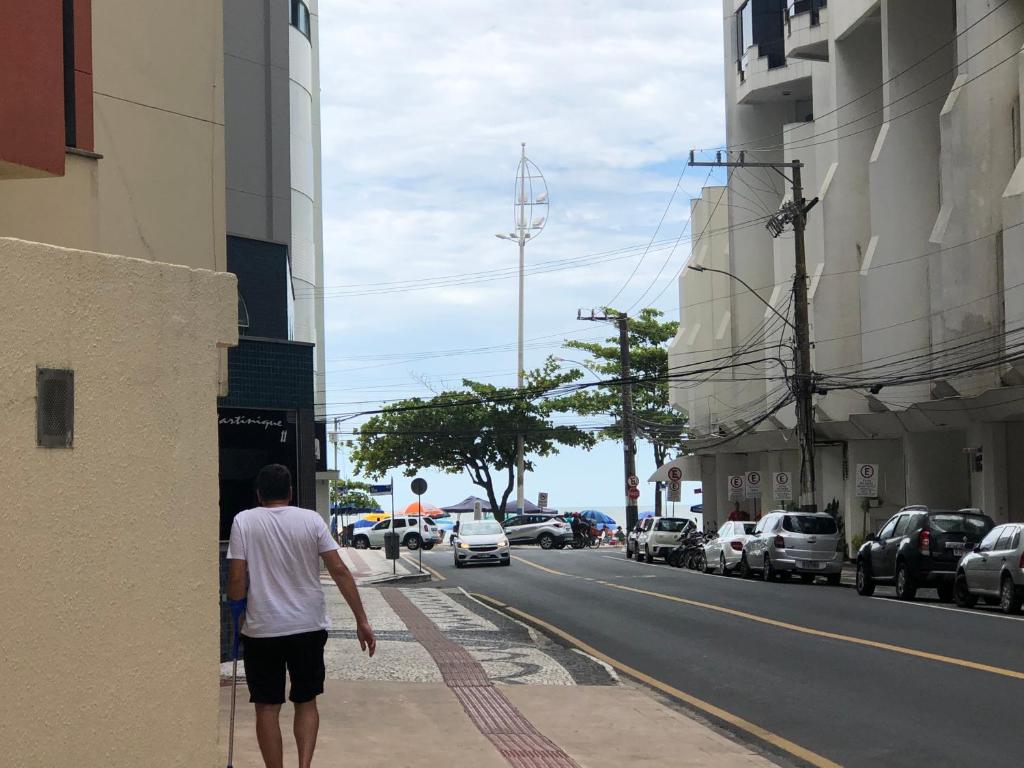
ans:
(274, 573)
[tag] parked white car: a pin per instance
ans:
(659, 535)
(414, 532)
(725, 552)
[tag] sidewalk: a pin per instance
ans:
(457, 684)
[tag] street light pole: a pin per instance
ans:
(528, 226)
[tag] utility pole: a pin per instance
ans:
(628, 439)
(795, 213)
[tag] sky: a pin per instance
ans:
(424, 106)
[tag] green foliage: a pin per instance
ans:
(352, 493)
(471, 430)
(654, 418)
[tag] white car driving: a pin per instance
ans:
(725, 552)
(480, 541)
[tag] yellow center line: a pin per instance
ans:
(736, 721)
(541, 567)
(1011, 673)
(427, 568)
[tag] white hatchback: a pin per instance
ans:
(725, 552)
(480, 541)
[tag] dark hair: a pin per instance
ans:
(274, 483)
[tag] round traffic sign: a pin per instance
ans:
(633, 493)
(754, 478)
(675, 474)
(633, 481)
(419, 486)
(782, 478)
(736, 482)
(867, 471)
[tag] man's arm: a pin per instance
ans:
(347, 586)
(238, 582)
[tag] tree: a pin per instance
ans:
(653, 417)
(352, 493)
(471, 430)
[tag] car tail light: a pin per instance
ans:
(559, 525)
(738, 546)
(780, 542)
(924, 542)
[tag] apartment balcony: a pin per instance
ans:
(807, 30)
(759, 82)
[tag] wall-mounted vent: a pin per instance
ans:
(55, 408)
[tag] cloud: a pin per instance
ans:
(424, 105)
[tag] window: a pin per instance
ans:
(382, 526)
(1016, 539)
(989, 542)
(744, 36)
(480, 528)
(300, 17)
(76, 18)
(958, 522)
(513, 521)
(725, 530)
(1015, 131)
(400, 523)
(901, 526)
(673, 524)
(886, 532)
(55, 408)
(1005, 539)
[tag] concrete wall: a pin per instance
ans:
(158, 191)
(108, 554)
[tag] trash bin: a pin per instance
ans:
(391, 545)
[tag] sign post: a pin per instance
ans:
(782, 486)
(752, 490)
(419, 487)
(867, 481)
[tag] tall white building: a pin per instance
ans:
(906, 116)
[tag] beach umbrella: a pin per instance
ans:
(599, 519)
(428, 509)
(364, 523)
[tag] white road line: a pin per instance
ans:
(968, 611)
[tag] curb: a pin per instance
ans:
(397, 579)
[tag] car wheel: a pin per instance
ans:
(361, 542)
(906, 589)
(629, 554)
(833, 579)
(1009, 597)
(945, 590)
(459, 563)
(649, 557)
(546, 541)
(722, 570)
(428, 547)
(768, 570)
(412, 542)
(962, 594)
(745, 570)
(865, 584)
(702, 561)
(507, 562)
(807, 578)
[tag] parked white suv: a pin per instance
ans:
(414, 532)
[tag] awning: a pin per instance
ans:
(690, 466)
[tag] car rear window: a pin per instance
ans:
(814, 524)
(744, 528)
(958, 522)
(671, 524)
(429, 521)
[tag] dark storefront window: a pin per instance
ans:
(300, 17)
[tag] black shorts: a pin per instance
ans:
(266, 659)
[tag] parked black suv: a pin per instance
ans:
(919, 547)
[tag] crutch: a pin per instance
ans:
(236, 615)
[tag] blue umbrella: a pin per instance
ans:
(599, 519)
(363, 524)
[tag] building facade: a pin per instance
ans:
(906, 117)
(275, 247)
(112, 143)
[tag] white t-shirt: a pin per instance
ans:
(282, 547)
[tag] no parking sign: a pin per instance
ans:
(782, 486)
(867, 480)
(737, 486)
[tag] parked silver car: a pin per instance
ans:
(549, 531)
(480, 541)
(725, 552)
(994, 571)
(785, 543)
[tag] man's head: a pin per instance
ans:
(274, 485)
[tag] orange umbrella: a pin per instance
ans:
(428, 509)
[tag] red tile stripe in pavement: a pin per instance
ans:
(362, 568)
(515, 738)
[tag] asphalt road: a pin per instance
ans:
(858, 681)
